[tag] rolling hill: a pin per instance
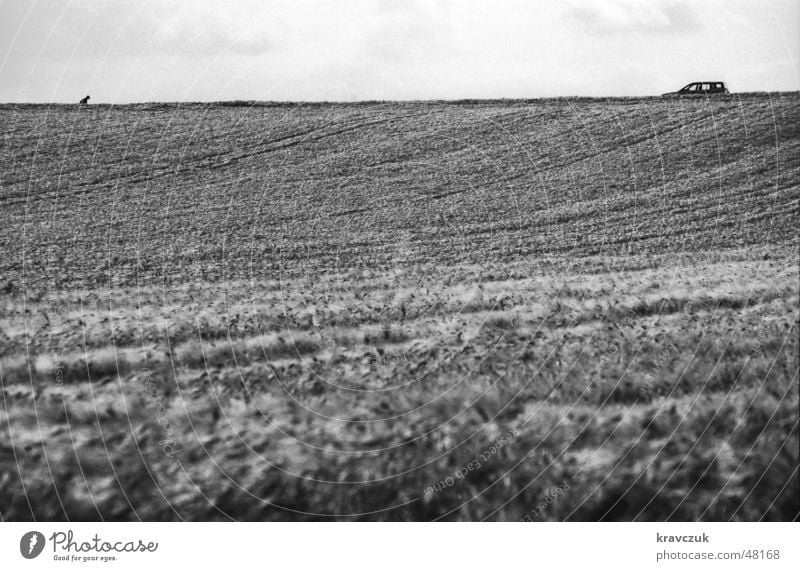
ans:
(561, 309)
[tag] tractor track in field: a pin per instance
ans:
(305, 139)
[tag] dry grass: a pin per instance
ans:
(342, 311)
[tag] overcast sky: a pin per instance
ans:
(202, 50)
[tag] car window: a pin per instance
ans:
(704, 87)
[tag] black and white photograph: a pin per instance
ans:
(383, 261)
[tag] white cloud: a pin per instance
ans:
(628, 15)
(386, 49)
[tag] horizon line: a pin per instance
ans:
(463, 100)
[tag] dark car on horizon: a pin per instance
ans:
(700, 88)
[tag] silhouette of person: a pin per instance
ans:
(85, 101)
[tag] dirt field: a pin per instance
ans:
(510, 310)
